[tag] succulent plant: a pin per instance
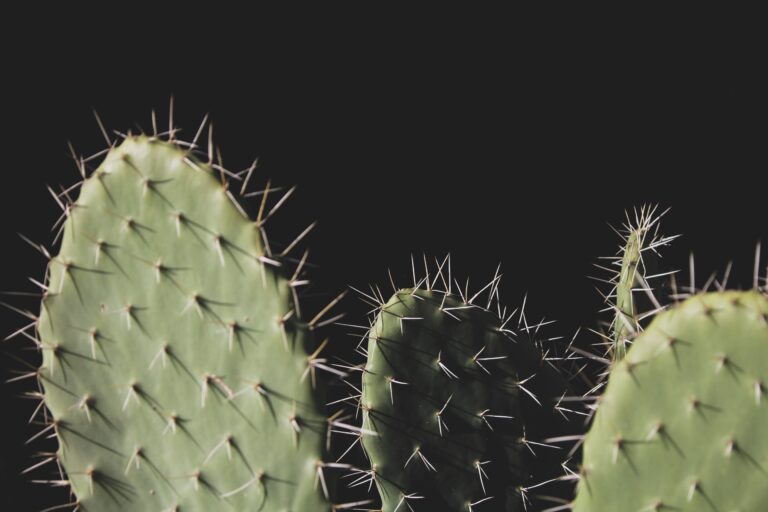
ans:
(456, 399)
(682, 416)
(177, 369)
(179, 374)
(631, 299)
(682, 423)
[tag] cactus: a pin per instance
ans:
(176, 367)
(456, 403)
(631, 299)
(682, 423)
(178, 373)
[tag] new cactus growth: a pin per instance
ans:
(177, 370)
(631, 299)
(682, 424)
(456, 400)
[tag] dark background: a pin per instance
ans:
(493, 138)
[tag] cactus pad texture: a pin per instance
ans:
(457, 399)
(175, 366)
(682, 424)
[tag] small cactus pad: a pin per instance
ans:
(631, 297)
(682, 425)
(448, 391)
(173, 360)
(625, 323)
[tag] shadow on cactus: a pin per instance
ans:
(458, 395)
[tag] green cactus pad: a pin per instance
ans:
(455, 403)
(682, 425)
(631, 298)
(174, 364)
(625, 323)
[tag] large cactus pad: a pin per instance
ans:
(173, 358)
(682, 425)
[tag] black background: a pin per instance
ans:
(493, 138)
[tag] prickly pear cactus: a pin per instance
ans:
(631, 298)
(456, 400)
(175, 366)
(682, 424)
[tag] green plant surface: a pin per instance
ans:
(625, 323)
(632, 299)
(175, 366)
(682, 424)
(458, 403)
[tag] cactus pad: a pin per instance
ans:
(631, 299)
(682, 424)
(451, 393)
(174, 364)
